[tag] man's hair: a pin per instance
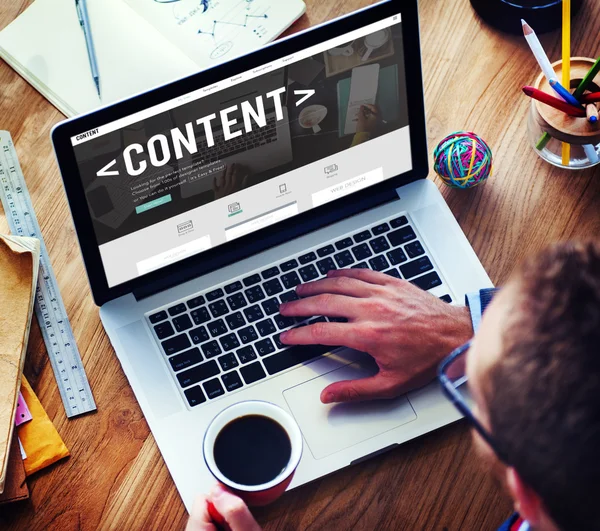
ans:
(544, 393)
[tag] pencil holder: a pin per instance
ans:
(548, 128)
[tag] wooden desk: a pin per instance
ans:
(116, 478)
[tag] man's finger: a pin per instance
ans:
(372, 108)
(366, 275)
(340, 285)
(370, 388)
(324, 304)
(233, 509)
(199, 518)
(329, 334)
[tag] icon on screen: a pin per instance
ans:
(234, 207)
(330, 169)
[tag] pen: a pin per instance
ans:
(554, 102)
(564, 93)
(84, 20)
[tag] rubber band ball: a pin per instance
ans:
(463, 160)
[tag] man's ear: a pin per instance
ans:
(527, 503)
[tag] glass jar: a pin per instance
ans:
(548, 128)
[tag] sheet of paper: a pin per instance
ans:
(46, 45)
(213, 31)
(363, 90)
(23, 454)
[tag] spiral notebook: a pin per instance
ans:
(139, 44)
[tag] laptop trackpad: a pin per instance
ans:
(329, 428)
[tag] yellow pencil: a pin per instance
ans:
(566, 65)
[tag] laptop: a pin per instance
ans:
(189, 282)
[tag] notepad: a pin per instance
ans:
(19, 265)
(140, 44)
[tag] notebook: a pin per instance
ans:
(140, 44)
(19, 264)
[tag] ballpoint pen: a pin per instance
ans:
(84, 20)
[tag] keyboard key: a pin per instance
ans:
(211, 349)
(248, 334)
(446, 298)
(379, 263)
(176, 344)
(393, 273)
(163, 330)
(195, 302)
(398, 222)
(289, 297)
(379, 245)
(327, 264)
(400, 236)
(251, 280)
(215, 294)
(199, 373)
(344, 259)
(294, 356)
(229, 342)
(271, 306)
(414, 249)
(428, 281)
(264, 347)
(233, 287)
(308, 273)
(362, 236)
(290, 280)
(253, 313)
(344, 244)
(183, 322)
(199, 335)
(213, 388)
(232, 381)
(278, 343)
(200, 315)
(228, 361)
(337, 319)
(284, 322)
(317, 320)
(272, 287)
(218, 308)
(397, 256)
(306, 258)
(195, 396)
(362, 251)
(157, 317)
(360, 265)
(216, 328)
(177, 309)
(324, 251)
(380, 229)
(289, 265)
(236, 301)
(266, 327)
(235, 320)
(185, 359)
(254, 294)
(253, 372)
(270, 273)
(416, 267)
(246, 354)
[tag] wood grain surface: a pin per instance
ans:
(116, 478)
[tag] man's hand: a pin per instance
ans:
(230, 507)
(407, 331)
(368, 119)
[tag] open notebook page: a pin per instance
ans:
(46, 46)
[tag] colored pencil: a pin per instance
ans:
(592, 112)
(538, 51)
(592, 97)
(564, 93)
(589, 77)
(591, 153)
(546, 98)
(566, 66)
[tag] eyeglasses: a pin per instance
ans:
(453, 378)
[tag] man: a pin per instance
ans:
(533, 370)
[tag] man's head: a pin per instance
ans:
(534, 372)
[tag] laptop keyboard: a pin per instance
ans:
(226, 338)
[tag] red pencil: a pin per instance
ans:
(571, 110)
(590, 98)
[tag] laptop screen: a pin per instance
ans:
(247, 152)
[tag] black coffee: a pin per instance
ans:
(252, 450)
